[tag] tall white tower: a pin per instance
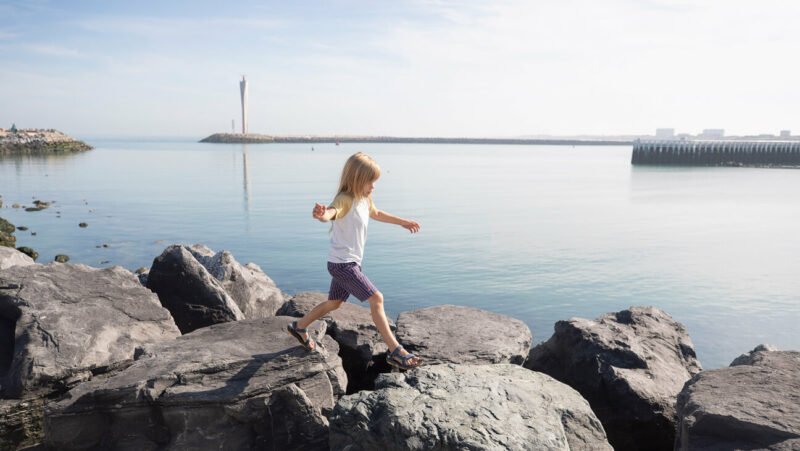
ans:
(243, 89)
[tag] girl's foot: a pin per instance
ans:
(403, 359)
(301, 335)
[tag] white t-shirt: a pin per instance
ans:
(349, 229)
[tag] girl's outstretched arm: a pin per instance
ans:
(323, 213)
(382, 216)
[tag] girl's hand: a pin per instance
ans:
(319, 211)
(412, 226)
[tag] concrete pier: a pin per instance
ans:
(717, 153)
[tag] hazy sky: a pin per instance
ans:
(405, 68)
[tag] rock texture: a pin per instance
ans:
(61, 324)
(629, 365)
(201, 288)
(466, 407)
(11, 257)
(237, 385)
(362, 348)
(457, 334)
(750, 406)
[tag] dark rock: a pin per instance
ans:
(106, 245)
(237, 385)
(629, 365)
(458, 334)
(450, 406)
(34, 209)
(29, 252)
(11, 257)
(23, 228)
(83, 224)
(194, 297)
(747, 406)
(362, 348)
(201, 288)
(20, 422)
(62, 258)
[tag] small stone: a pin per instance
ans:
(106, 245)
(15, 206)
(61, 258)
(33, 233)
(91, 211)
(83, 224)
(103, 262)
(141, 270)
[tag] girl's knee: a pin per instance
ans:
(334, 304)
(376, 299)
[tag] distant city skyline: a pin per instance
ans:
(416, 68)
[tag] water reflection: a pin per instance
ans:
(246, 179)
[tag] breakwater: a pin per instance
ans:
(254, 138)
(37, 141)
(717, 153)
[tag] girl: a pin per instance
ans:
(350, 212)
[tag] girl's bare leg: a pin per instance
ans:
(379, 318)
(316, 313)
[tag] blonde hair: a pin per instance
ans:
(359, 170)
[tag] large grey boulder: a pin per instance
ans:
(67, 322)
(458, 334)
(61, 324)
(202, 288)
(500, 407)
(11, 257)
(362, 348)
(629, 365)
(752, 406)
(750, 357)
(235, 385)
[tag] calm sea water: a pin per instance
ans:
(540, 233)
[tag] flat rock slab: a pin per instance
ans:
(11, 257)
(64, 323)
(362, 348)
(238, 385)
(451, 406)
(458, 334)
(629, 365)
(747, 406)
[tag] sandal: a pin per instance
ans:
(403, 364)
(292, 330)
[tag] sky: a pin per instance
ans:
(445, 68)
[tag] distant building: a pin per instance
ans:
(713, 133)
(786, 133)
(665, 133)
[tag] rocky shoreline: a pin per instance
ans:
(255, 138)
(39, 141)
(193, 354)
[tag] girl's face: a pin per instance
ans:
(369, 187)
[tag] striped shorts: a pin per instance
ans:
(348, 279)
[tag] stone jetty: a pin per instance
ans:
(93, 359)
(716, 153)
(38, 141)
(254, 138)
